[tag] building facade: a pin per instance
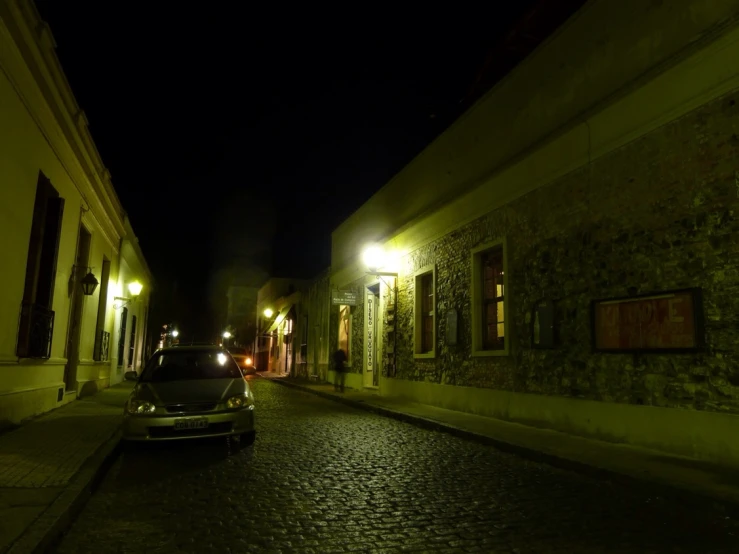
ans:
(279, 313)
(565, 255)
(69, 253)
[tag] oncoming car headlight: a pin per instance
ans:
(240, 401)
(140, 407)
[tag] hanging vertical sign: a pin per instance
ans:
(370, 332)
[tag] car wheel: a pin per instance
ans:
(247, 439)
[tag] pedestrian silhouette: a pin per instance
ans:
(339, 361)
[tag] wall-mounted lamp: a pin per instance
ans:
(135, 289)
(374, 258)
(88, 283)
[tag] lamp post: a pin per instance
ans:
(226, 335)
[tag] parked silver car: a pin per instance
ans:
(190, 392)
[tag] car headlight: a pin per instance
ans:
(140, 407)
(240, 401)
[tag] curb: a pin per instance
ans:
(727, 505)
(49, 527)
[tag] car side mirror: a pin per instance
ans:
(131, 376)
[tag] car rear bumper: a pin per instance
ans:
(161, 428)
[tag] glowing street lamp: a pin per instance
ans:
(373, 257)
(226, 335)
(268, 313)
(175, 333)
(135, 288)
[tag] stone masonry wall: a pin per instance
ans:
(660, 213)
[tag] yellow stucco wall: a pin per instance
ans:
(42, 130)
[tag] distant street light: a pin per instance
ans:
(175, 333)
(268, 313)
(226, 335)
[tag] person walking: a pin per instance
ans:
(339, 361)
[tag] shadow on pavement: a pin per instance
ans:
(722, 474)
(143, 463)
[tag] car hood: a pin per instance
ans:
(190, 391)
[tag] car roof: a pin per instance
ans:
(192, 348)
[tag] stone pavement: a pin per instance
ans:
(324, 477)
(681, 478)
(48, 464)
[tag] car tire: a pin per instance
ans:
(247, 439)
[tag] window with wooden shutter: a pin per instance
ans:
(36, 325)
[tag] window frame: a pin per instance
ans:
(418, 313)
(477, 300)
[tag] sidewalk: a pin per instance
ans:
(48, 465)
(663, 474)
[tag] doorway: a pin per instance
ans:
(72, 351)
(122, 340)
(371, 343)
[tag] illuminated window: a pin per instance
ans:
(345, 329)
(425, 313)
(489, 309)
(493, 300)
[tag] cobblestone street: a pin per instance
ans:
(323, 477)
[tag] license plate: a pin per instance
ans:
(185, 424)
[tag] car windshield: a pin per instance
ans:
(237, 351)
(179, 366)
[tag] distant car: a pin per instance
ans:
(241, 356)
(189, 392)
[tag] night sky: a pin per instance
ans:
(239, 136)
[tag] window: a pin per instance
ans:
(37, 318)
(425, 313)
(345, 330)
(493, 313)
(489, 309)
(190, 365)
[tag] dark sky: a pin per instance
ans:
(239, 136)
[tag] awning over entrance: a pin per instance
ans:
(280, 318)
